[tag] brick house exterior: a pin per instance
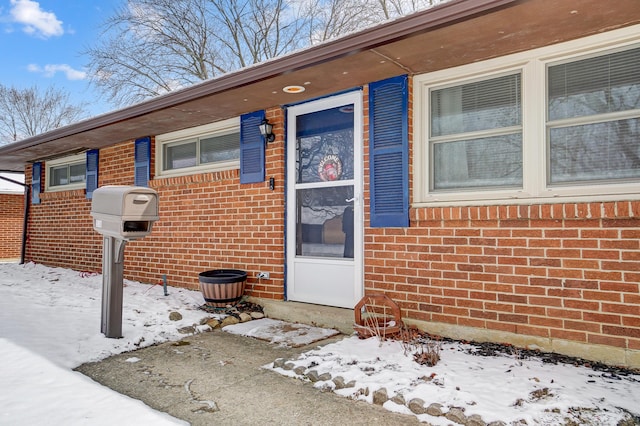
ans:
(184, 242)
(11, 218)
(559, 272)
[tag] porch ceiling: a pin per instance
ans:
(456, 33)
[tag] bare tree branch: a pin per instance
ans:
(29, 112)
(150, 47)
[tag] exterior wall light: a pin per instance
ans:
(266, 130)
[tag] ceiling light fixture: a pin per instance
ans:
(293, 89)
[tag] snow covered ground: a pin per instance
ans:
(50, 323)
(498, 388)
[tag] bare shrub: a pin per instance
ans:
(425, 350)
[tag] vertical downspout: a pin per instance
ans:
(27, 192)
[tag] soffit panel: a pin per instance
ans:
(517, 28)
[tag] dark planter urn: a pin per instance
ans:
(222, 287)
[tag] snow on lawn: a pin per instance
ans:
(50, 323)
(34, 391)
(498, 388)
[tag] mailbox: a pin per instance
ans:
(120, 214)
(124, 212)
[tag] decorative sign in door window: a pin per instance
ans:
(330, 168)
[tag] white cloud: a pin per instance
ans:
(50, 70)
(35, 20)
(172, 85)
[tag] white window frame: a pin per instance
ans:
(533, 67)
(182, 136)
(475, 134)
(65, 161)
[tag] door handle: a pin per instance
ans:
(349, 200)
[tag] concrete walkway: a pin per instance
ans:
(216, 378)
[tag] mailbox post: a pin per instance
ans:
(120, 214)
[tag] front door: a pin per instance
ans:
(324, 201)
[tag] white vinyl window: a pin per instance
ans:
(205, 148)
(66, 173)
(593, 119)
(545, 124)
(476, 135)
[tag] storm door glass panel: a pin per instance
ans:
(325, 222)
(325, 145)
(324, 183)
(180, 155)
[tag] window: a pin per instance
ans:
(204, 148)
(66, 173)
(593, 119)
(542, 124)
(476, 134)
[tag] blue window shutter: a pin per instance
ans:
(252, 148)
(36, 186)
(142, 161)
(389, 152)
(92, 172)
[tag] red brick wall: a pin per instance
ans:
(560, 271)
(563, 271)
(207, 221)
(61, 232)
(11, 219)
(210, 221)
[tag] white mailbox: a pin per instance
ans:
(120, 214)
(124, 212)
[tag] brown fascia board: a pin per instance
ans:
(441, 15)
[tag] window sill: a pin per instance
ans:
(195, 178)
(231, 165)
(63, 194)
(65, 188)
(522, 199)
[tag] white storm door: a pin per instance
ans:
(324, 201)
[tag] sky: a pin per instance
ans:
(42, 42)
(50, 323)
(8, 187)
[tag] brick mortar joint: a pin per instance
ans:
(603, 210)
(203, 178)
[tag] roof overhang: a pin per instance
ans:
(455, 33)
